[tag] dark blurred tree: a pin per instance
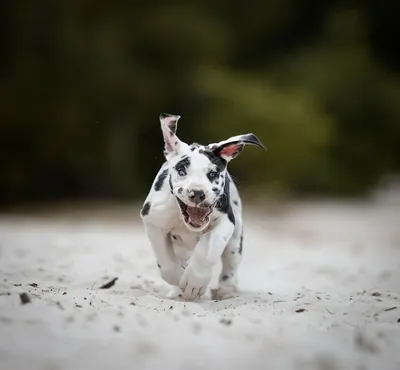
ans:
(83, 82)
(360, 95)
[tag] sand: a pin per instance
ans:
(319, 289)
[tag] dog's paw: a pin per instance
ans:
(174, 292)
(223, 292)
(172, 273)
(194, 281)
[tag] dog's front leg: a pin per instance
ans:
(171, 270)
(206, 254)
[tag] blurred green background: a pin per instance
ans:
(83, 83)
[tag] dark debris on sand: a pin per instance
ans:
(110, 284)
(24, 298)
(226, 322)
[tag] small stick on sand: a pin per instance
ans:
(109, 284)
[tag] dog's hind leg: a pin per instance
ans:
(231, 258)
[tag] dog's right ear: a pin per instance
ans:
(229, 149)
(169, 124)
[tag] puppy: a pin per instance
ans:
(193, 213)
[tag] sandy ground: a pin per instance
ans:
(320, 289)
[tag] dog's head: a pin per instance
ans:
(197, 173)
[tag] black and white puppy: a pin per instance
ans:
(193, 213)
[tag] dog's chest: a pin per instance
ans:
(184, 242)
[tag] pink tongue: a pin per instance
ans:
(197, 214)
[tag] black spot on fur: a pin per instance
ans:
(194, 146)
(231, 216)
(235, 202)
(170, 185)
(174, 237)
(225, 277)
(184, 163)
(215, 190)
(253, 139)
(223, 204)
(180, 190)
(158, 265)
(213, 179)
(145, 209)
(241, 244)
(234, 181)
(215, 159)
(160, 180)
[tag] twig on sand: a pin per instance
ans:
(347, 323)
(109, 284)
(329, 311)
(391, 308)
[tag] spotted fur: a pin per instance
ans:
(197, 219)
(160, 180)
(145, 209)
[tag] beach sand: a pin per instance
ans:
(319, 289)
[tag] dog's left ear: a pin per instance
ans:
(231, 148)
(169, 124)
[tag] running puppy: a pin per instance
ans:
(193, 213)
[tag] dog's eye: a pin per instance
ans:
(181, 172)
(212, 174)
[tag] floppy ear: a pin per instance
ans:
(169, 124)
(231, 148)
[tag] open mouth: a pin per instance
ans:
(196, 217)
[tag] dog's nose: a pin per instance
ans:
(197, 196)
